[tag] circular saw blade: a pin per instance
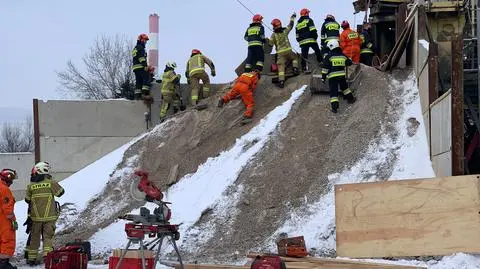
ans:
(135, 192)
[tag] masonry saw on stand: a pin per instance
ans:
(153, 227)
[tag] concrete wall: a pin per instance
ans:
(73, 134)
(22, 162)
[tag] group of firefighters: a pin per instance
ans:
(43, 213)
(335, 52)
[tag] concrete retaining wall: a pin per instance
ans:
(73, 134)
(22, 162)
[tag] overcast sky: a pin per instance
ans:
(39, 37)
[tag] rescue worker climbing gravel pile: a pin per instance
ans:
(285, 54)
(8, 222)
(40, 196)
(195, 72)
(140, 68)
(244, 87)
(170, 82)
(330, 31)
(350, 42)
(334, 66)
(306, 35)
(255, 36)
(367, 49)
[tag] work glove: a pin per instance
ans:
(324, 79)
(294, 15)
(213, 73)
(188, 81)
(145, 68)
(14, 225)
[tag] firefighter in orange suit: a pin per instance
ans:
(350, 42)
(244, 87)
(8, 222)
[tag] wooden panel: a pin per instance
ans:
(437, 216)
(330, 263)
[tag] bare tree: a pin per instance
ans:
(107, 67)
(17, 137)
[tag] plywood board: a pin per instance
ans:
(437, 216)
(330, 263)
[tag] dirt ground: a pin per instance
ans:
(188, 140)
(288, 173)
(292, 169)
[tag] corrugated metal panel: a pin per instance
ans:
(426, 120)
(441, 125)
(442, 164)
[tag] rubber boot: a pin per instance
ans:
(220, 103)
(5, 264)
(281, 84)
(350, 98)
(334, 107)
(295, 71)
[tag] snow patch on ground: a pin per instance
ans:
(317, 221)
(206, 187)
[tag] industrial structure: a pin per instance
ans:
(439, 40)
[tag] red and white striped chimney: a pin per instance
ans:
(153, 41)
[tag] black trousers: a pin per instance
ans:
(366, 58)
(334, 83)
(255, 58)
(141, 80)
(305, 48)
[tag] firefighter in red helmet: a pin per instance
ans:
(350, 42)
(195, 72)
(255, 36)
(8, 222)
(307, 35)
(140, 68)
(285, 54)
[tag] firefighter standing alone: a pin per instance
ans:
(367, 49)
(8, 222)
(44, 211)
(140, 68)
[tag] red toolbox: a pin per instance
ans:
(130, 263)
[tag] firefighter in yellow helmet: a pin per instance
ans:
(285, 53)
(195, 72)
(44, 210)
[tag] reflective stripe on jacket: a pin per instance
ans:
(255, 35)
(41, 196)
(196, 64)
(168, 81)
(280, 38)
(305, 31)
(335, 63)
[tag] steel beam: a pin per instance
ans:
(458, 157)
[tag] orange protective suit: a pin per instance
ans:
(7, 215)
(350, 42)
(245, 85)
